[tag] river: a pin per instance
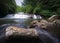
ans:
(20, 20)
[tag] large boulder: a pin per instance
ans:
(54, 27)
(21, 32)
(40, 24)
(21, 35)
(33, 24)
(53, 17)
(51, 26)
(14, 34)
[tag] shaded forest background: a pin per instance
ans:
(45, 8)
(7, 7)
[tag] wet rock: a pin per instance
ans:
(54, 17)
(21, 32)
(42, 24)
(21, 35)
(33, 24)
(54, 27)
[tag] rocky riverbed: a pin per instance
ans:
(38, 31)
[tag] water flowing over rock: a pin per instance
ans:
(39, 31)
(54, 27)
(51, 26)
(32, 35)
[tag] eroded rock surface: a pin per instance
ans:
(54, 17)
(42, 24)
(13, 31)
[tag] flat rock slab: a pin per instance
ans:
(22, 33)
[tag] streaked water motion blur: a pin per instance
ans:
(19, 20)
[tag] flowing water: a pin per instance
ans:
(44, 36)
(47, 37)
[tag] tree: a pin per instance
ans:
(46, 13)
(28, 9)
(49, 6)
(7, 7)
(20, 9)
(37, 9)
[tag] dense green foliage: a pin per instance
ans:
(7, 7)
(28, 8)
(20, 9)
(43, 7)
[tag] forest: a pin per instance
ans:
(7, 7)
(44, 8)
(36, 21)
